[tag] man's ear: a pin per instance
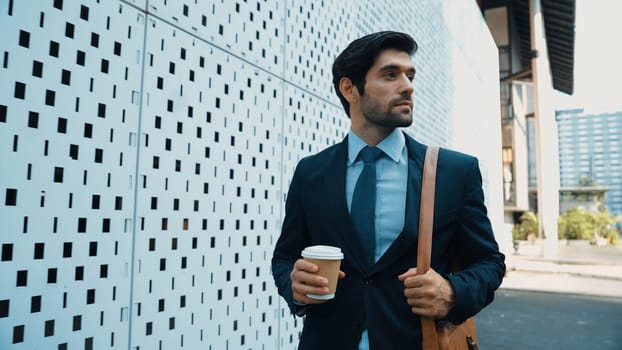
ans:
(348, 90)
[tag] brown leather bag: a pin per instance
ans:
(442, 335)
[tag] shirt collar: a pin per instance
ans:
(392, 145)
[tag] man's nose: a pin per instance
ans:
(406, 86)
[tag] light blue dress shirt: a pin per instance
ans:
(391, 182)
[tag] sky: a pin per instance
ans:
(598, 58)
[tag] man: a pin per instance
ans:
(379, 299)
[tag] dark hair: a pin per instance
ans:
(360, 55)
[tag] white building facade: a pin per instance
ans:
(146, 149)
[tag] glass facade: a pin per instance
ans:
(589, 146)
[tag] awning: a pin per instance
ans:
(559, 26)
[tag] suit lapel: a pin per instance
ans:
(334, 179)
(409, 235)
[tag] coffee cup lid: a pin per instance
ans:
(322, 252)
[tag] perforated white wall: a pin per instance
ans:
(146, 149)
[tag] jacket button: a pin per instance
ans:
(367, 282)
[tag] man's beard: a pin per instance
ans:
(375, 114)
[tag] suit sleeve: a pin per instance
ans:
(291, 242)
(482, 264)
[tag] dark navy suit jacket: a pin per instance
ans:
(372, 298)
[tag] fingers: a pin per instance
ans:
(305, 281)
(410, 273)
(429, 294)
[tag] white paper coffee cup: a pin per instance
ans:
(328, 259)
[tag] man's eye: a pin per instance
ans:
(389, 74)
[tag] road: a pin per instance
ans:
(531, 320)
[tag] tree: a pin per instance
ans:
(527, 228)
(578, 223)
(585, 181)
(604, 226)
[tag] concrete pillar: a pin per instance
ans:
(547, 159)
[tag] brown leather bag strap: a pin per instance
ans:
(424, 250)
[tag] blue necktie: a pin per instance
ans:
(364, 203)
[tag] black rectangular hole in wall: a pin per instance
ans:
(50, 97)
(99, 155)
(54, 47)
(106, 225)
(10, 198)
(4, 308)
(58, 174)
(101, 110)
(77, 323)
(65, 77)
(90, 296)
(22, 278)
(39, 250)
(18, 334)
(33, 119)
(67, 247)
(69, 30)
(79, 273)
(73, 151)
(88, 130)
(62, 126)
(52, 274)
(84, 12)
(7, 252)
(24, 38)
(95, 199)
(80, 57)
(105, 66)
(92, 248)
(49, 328)
(35, 304)
(3, 110)
(37, 69)
(20, 90)
(81, 225)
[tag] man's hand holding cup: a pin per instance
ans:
(314, 277)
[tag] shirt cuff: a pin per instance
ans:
(300, 309)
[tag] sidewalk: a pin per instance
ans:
(577, 268)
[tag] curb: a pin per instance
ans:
(570, 273)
